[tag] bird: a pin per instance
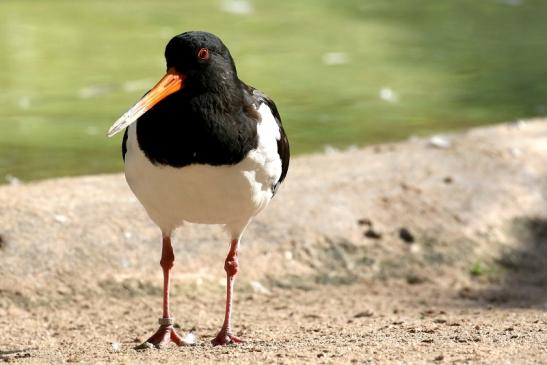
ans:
(202, 147)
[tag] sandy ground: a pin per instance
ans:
(400, 253)
(360, 323)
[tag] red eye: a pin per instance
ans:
(203, 54)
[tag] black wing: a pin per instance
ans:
(282, 143)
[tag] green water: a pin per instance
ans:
(342, 72)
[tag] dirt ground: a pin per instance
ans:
(417, 252)
(361, 323)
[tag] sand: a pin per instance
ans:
(415, 252)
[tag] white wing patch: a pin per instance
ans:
(266, 153)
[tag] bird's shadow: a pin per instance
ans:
(523, 267)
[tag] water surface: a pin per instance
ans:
(342, 72)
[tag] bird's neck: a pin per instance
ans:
(220, 98)
(203, 125)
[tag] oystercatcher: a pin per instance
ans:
(205, 148)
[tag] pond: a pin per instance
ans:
(342, 72)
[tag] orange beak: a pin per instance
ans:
(172, 82)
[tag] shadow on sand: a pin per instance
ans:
(523, 269)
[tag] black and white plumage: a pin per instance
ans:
(205, 148)
(208, 185)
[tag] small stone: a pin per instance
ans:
(288, 255)
(13, 180)
(189, 339)
(405, 235)
(116, 346)
(330, 150)
(313, 316)
(371, 233)
(145, 346)
(439, 358)
(364, 222)
(414, 279)
(366, 313)
(60, 218)
(259, 288)
(519, 124)
(440, 142)
(515, 151)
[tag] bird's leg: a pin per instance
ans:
(166, 333)
(231, 266)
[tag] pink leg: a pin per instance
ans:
(166, 333)
(231, 266)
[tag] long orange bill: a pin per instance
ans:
(172, 82)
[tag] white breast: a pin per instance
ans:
(229, 194)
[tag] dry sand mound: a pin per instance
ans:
(415, 252)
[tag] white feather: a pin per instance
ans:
(229, 194)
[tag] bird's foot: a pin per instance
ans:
(225, 337)
(163, 336)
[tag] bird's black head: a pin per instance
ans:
(203, 59)
(198, 63)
